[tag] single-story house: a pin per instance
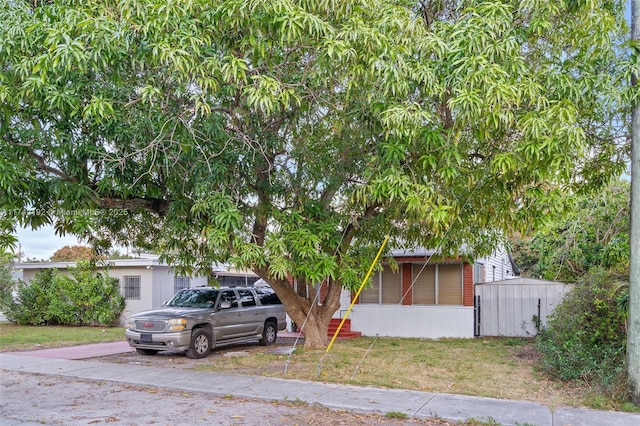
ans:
(424, 298)
(145, 282)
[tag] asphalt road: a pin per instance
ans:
(29, 399)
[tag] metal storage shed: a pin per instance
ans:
(508, 307)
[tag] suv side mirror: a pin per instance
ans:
(225, 305)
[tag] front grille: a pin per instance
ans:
(148, 325)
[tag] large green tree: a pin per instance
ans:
(592, 233)
(290, 136)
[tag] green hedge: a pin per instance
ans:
(585, 338)
(81, 298)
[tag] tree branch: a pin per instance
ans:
(155, 205)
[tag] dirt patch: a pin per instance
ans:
(528, 353)
(179, 360)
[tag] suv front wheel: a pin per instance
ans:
(200, 344)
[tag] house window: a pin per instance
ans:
(449, 285)
(478, 268)
(391, 286)
(387, 288)
(180, 283)
(371, 295)
(424, 284)
(131, 287)
(437, 284)
(246, 298)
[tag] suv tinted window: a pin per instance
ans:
(267, 296)
(246, 298)
(229, 296)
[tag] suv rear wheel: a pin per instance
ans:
(200, 344)
(269, 334)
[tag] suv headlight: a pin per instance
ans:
(177, 324)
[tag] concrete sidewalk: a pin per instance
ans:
(335, 396)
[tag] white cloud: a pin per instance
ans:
(43, 242)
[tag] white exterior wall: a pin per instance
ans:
(430, 322)
(146, 290)
(345, 301)
(495, 268)
(28, 275)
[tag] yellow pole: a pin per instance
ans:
(373, 264)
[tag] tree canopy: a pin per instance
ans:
(73, 254)
(592, 233)
(290, 136)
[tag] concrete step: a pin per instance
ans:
(345, 331)
(346, 335)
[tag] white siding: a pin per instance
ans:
(494, 268)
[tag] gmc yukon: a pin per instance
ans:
(196, 320)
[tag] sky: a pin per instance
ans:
(42, 243)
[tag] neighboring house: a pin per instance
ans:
(145, 282)
(425, 298)
(16, 274)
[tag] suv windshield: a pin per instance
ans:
(194, 298)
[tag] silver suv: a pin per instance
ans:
(196, 320)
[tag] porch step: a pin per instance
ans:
(345, 331)
(346, 335)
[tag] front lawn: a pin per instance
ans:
(25, 337)
(486, 367)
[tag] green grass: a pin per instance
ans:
(486, 367)
(396, 415)
(23, 337)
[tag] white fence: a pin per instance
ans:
(508, 308)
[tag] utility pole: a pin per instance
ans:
(633, 338)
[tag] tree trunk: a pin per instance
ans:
(633, 340)
(315, 332)
(310, 317)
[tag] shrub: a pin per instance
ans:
(7, 282)
(31, 304)
(585, 337)
(83, 298)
